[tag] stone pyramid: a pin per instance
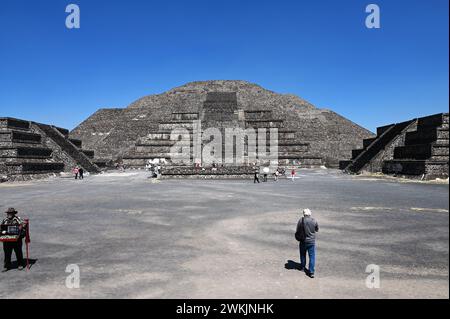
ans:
(139, 132)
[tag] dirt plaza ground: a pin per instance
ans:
(134, 238)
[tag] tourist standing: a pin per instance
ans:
(293, 174)
(306, 235)
(276, 174)
(8, 247)
(266, 171)
(256, 171)
(75, 172)
(81, 173)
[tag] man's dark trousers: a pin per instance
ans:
(311, 249)
(8, 248)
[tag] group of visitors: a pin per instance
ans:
(265, 171)
(214, 167)
(155, 170)
(78, 172)
(279, 172)
(120, 166)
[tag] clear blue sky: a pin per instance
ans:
(319, 50)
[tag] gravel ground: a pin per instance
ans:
(134, 238)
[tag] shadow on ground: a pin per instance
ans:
(15, 265)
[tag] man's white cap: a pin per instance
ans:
(307, 212)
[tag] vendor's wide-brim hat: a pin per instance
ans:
(11, 211)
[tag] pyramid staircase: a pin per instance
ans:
(60, 137)
(31, 150)
(425, 151)
(415, 148)
(22, 152)
(291, 151)
(158, 144)
(220, 111)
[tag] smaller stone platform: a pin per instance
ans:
(30, 150)
(417, 148)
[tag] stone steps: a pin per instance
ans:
(287, 136)
(220, 110)
(432, 120)
(293, 154)
(154, 149)
(159, 143)
(429, 156)
(8, 123)
(246, 172)
(165, 153)
(176, 125)
(58, 137)
(19, 136)
(386, 135)
(63, 131)
(426, 168)
(344, 163)
(147, 156)
(33, 168)
(257, 114)
(356, 153)
(382, 129)
(79, 145)
(303, 161)
(76, 142)
(101, 163)
(293, 148)
(425, 135)
(88, 153)
(24, 152)
(267, 124)
(299, 157)
(424, 151)
(166, 136)
(290, 143)
(187, 116)
(418, 152)
(26, 159)
(19, 144)
(368, 141)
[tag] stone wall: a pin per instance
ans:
(233, 172)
